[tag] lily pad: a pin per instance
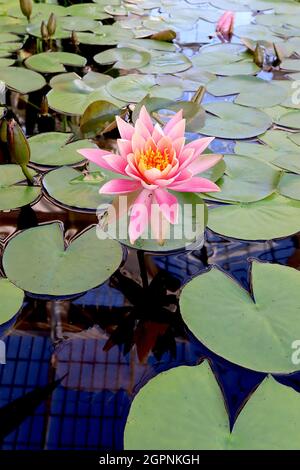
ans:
(52, 149)
(12, 194)
(133, 88)
(77, 23)
(22, 80)
(289, 186)
(246, 180)
(148, 45)
(190, 414)
(34, 29)
(6, 62)
(88, 10)
(232, 121)
(71, 188)
(273, 217)
(11, 300)
(123, 58)
(57, 269)
(54, 62)
(251, 332)
(232, 60)
(97, 116)
(39, 10)
(288, 161)
(260, 152)
(72, 94)
(252, 91)
(105, 36)
(167, 62)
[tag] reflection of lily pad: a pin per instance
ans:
(12, 194)
(123, 58)
(72, 94)
(133, 88)
(252, 91)
(273, 217)
(184, 409)
(54, 62)
(56, 269)
(53, 149)
(232, 121)
(11, 300)
(251, 332)
(71, 188)
(246, 180)
(22, 80)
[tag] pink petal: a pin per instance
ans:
(151, 175)
(139, 215)
(125, 129)
(174, 120)
(177, 130)
(142, 130)
(195, 185)
(178, 145)
(168, 205)
(146, 118)
(203, 163)
(138, 142)
(159, 224)
(96, 156)
(116, 162)
(124, 146)
(199, 145)
(165, 143)
(157, 133)
(186, 157)
(120, 186)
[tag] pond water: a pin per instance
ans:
(85, 357)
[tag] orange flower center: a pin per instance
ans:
(154, 159)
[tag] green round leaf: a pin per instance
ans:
(97, 116)
(133, 88)
(88, 10)
(252, 91)
(123, 58)
(54, 62)
(53, 149)
(12, 194)
(232, 121)
(251, 333)
(273, 217)
(73, 189)
(184, 409)
(22, 80)
(6, 62)
(72, 94)
(34, 29)
(167, 62)
(289, 186)
(38, 261)
(105, 36)
(11, 300)
(246, 180)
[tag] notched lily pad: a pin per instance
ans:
(22, 80)
(12, 194)
(57, 269)
(54, 62)
(257, 335)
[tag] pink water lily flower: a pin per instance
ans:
(225, 25)
(155, 159)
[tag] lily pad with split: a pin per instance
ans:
(14, 195)
(194, 416)
(246, 330)
(53, 149)
(57, 268)
(54, 62)
(21, 80)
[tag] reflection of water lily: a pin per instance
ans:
(155, 160)
(225, 25)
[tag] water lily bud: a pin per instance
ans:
(18, 147)
(167, 35)
(44, 106)
(44, 31)
(3, 131)
(26, 8)
(51, 25)
(17, 143)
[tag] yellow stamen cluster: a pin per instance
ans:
(154, 159)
